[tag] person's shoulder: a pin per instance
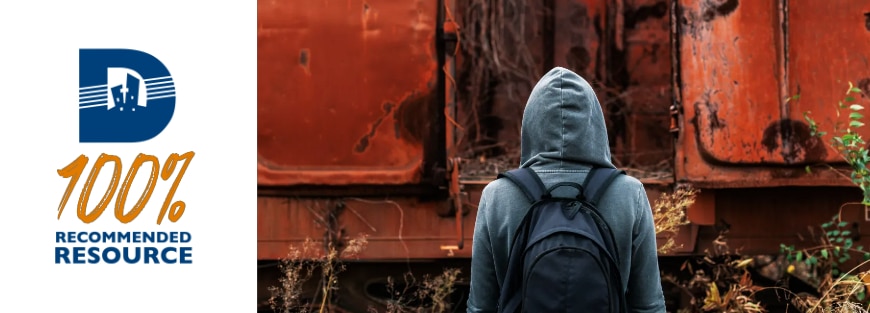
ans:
(499, 186)
(627, 181)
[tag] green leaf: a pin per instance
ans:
(842, 224)
(813, 260)
(866, 256)
(845, 233)
(848, 137)
(845, 258)
(855, 90)
(825, 225)
(835, 272)
(847, 243)
(859, 248)
(849, 99)
(856, 124)
(825, 254)
(839, 240)
(800, 256)
(809, 171)
(855, 116)
(856, 107)
(860, 296)
(861, 167)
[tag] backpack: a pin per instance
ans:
(564, 256)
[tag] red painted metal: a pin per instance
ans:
(346, 91)
(735, 63)
(334, 100)
(397, 228)
(738, 62)
(349, 98)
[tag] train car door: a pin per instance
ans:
(736, 64)
(351, 93)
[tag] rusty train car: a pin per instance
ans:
(359, 101)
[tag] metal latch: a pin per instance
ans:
(676, 110)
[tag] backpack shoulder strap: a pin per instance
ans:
(597, 181)
(528, 181)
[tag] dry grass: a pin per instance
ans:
(726, 286)
(430, 295)
(737, 298)
(299, 266)
(287, 297)
(301, 263)
(669, 214)
(837, 295)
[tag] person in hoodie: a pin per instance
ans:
(563, 136)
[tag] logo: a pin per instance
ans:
(124, 96)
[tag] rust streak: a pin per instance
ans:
(363, 142)
(718, 8)
(304, 58)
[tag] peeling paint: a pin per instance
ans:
(304, 58)
(802, 146)
(363, 142)
(718, 8)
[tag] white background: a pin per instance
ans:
(210, 50)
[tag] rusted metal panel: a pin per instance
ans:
(758, 220)
(737, 63)
(577, 35)
(622, 48)
(647, 92)
(397, 229)
(821, 60)
(348, 92)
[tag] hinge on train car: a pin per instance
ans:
(676, 111)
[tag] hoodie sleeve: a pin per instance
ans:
(644, 283)
(483, 296)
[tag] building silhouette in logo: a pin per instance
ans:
(124, 96)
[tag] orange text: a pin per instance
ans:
(76, 168)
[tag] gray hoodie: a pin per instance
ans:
(563, 134)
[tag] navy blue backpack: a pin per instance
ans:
(564, 256)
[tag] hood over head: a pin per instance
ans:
(563, 124)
